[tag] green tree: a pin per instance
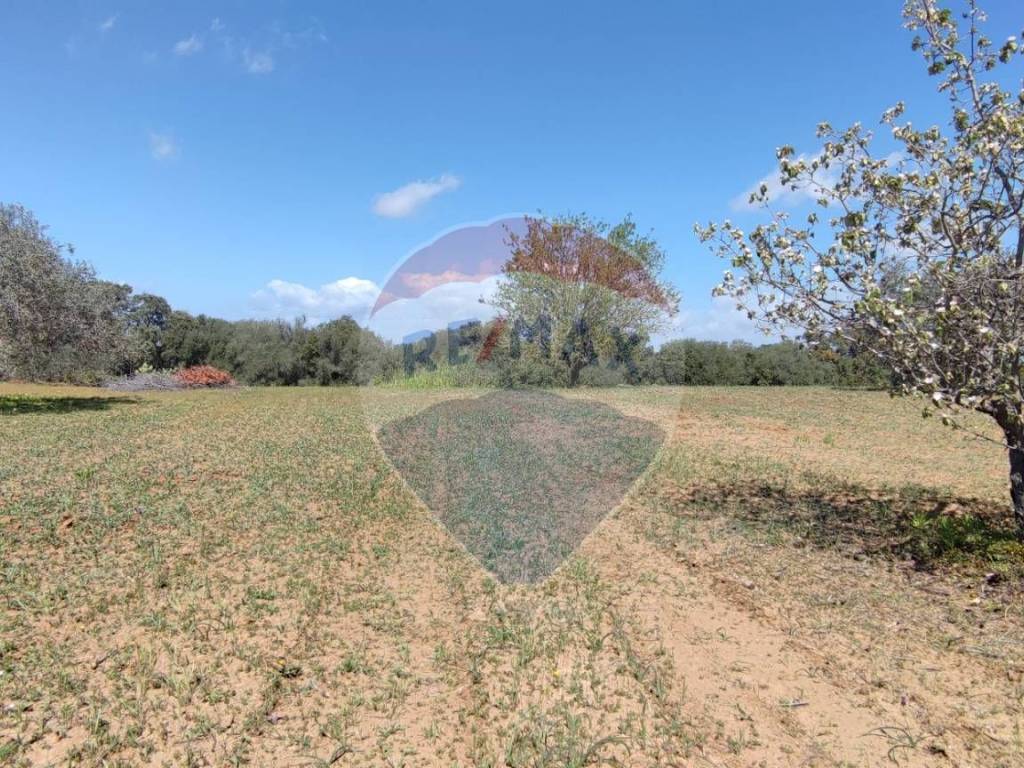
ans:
(575, 288)
(57, 321)
(266, 352)
(917, 257)
(339, 352)
(145, 318)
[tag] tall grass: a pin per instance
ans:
(444, 377)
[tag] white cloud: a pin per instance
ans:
(163, 146)
(189, 46)
(349, 296)
(108, 23)
(436, 309)
(258, 63)
(407, 199)
(257, 56)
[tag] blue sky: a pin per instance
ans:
(202, 150)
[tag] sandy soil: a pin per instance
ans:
(265, 592)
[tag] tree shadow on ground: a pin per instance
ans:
(930, 527)
(14, 405)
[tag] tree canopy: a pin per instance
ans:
(915, 255)
(56, 317)
(579, 287)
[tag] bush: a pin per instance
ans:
(599, 376)
(204, 376)
(527, 372)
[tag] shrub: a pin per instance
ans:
(204, 376)
(599, 376)
(528, 372)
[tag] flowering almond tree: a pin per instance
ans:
(915, 257)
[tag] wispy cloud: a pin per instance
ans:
(351, 296)
(189, 46)
(163, 146)
(257, 54)
(298, 38)
(108, 23)
(258, 62)
(408, 199)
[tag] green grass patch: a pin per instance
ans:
(11, 405)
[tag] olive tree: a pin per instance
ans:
(57, 321)
(575, 288)
(916, 256)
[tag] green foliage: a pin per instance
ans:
(529, 372)
(278, 353)
(333, 351)
(966, 539)
(583, 292)
(917, 255)
(58, 322)
(600, 376)
(706, 363)
(145, 319)
(446, 377)
(517, 361)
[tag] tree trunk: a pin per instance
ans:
(1017, 484)
(1013, 430)
(574, 377)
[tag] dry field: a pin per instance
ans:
(800, 577)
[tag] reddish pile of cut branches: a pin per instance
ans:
(204, 376)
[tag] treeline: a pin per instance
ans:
(60, 322)
(492, 354)
(695, 363)
(273, 352)
(340, 352)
